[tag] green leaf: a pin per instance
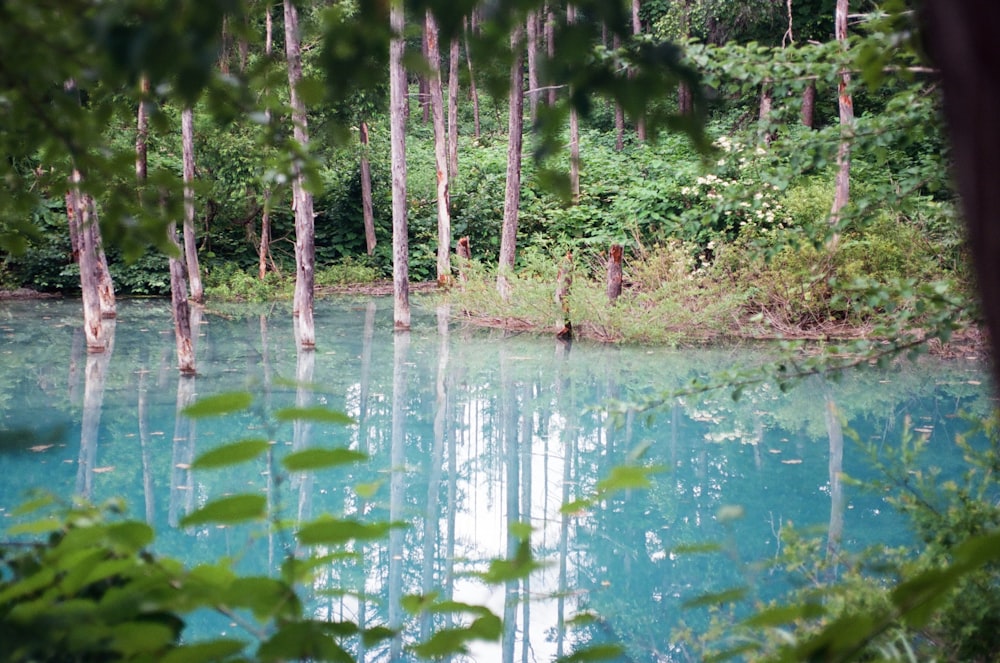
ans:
(783, 614)
(303, 640)
(717, 598)
(317, 414)
(218, 405)
(625, 477)
(228, 510)
(204, 652)
(332, 531)
(314, 459)
(130, 535)
(605, 652)
(265, 597)
(693, 548)
(146, 637)
(231, 454)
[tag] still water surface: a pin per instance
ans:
(469, 431)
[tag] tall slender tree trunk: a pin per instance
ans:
(180, 310)
(397, 140)
(640, 123)
(454, 55)
(264, 250)
(550, 44)
(842, 190)
(619, 111)
(367, 211)
(512, 193)
(440, 151)
(574, 129)
(142, 132)
(473, 92)
(305, 249)
(533, 92)
(190, 242)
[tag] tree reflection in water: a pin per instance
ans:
(471, 433)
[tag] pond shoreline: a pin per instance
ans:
(969, 342)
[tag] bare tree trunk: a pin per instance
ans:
(142, 132)
(532, 32)
(264, 251)
(843, 183)
(366, 189)
(440, 151)
(808, 104)
(305, 250)
(550, 44)
(464, 252)
(181, 310)
(640, 123)
(574, 130)
(472, 86)
(614, 272)
(78, 216)
(512, 194)
(105, 286)
(190, 242)
(397, 139)
(453, 60)
(764, 115)
(619, 111)
(423, 85)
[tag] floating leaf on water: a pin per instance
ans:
(792, 461)
(38, 448)
(103, 470)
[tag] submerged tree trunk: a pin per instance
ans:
(512, 194)
(440, 151)
(367, 211)
(78, 216)
(302, 203)
(397, 140)
(843, 183)
(181, 310)
(190, 242)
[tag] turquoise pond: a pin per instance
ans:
(468, 431)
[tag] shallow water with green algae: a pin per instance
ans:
(467, 432)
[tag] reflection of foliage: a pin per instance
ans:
(934, 599)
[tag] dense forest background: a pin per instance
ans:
(738, 214)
